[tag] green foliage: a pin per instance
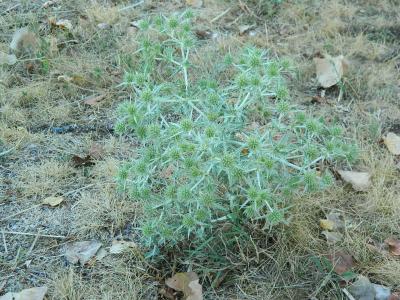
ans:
(213, 152)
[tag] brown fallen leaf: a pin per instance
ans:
(53, 201)
(96, 151)
(188, 283)
(121, 246)
(36, 293)
(341, 262)
(195, 3)
(93, 100)
(394, 246)
(329, 70)
(332, 236)
(7, 59)
(78, 161)
(392, 142)
(23, 40)
(81, 251)
(360, 181)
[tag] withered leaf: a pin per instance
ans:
(394, 246)
(7, 59)
(360, 181)
(332, 236)
(195, 3)
(93, 100)
(53, 201)
(341, 262)
(23, 40)
(121, 246)
(188, 283)
(81, 251)
(78, 161)
(36, 293)
(392, 142)
(329, 70)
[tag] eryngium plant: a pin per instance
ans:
(214, 152)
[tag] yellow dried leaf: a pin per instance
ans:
(326, 224)
(329, 70)
(392, 142)
(360, 181)
(121, 246)
(188, 283)
(53, 201)
(195, 3)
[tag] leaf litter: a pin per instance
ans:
(360, 181)
(188, 283)
(330, 69)
(35, 293)
(81, 252)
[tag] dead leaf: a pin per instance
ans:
(329, 70)
(341, 262)
(23, 40)
(167, 172)
(394, 246)
(326, 224)
(363, 289)
(64, 78)
(188, 283)
(332, 236)
(64, 24)
(121, 246)
(93, 100)
(195, 3)
(103, 26)
(392, 142)
(36, 293)
(81, 251)
(332, 222)
(96, 151)
(53, 201)
(245, 28)
(101, 254)
(360, 181)
(78, 161)
(7, 59)
(49, 3)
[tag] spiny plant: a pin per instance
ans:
(215, 151)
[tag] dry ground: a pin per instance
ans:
(33, 102)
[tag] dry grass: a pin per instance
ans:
(277, 265)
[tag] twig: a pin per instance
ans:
(220, 15)
(347, 293)
(131, 6)
(36, 234)
(33, 243)
(11, 8)
(20, 212)
(4, 242)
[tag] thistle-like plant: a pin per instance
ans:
(215, 151)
